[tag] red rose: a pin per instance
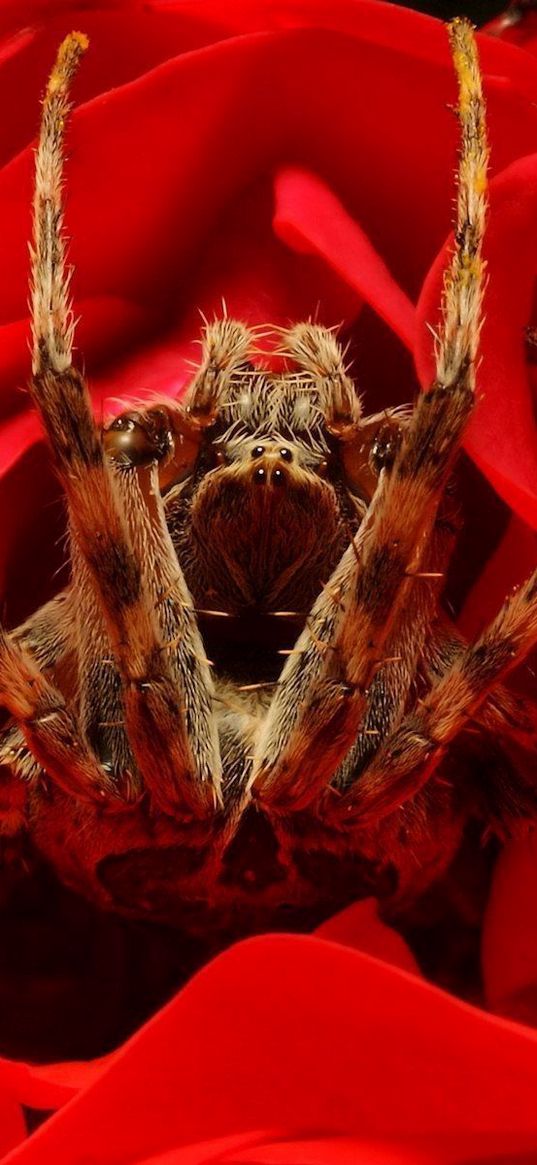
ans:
(294, 157)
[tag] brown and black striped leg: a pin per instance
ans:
(322, 694)
(100, 698)
(48, 727)
(49, 638)
(397, 680)
(171, 730)
(505, 714)
(411, 755)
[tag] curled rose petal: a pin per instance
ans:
(482, 1149)
(360, 927)
(343, 1044)
(309, 218)
(49, 1086)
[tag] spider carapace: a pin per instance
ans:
(243, 712)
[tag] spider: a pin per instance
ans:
(247, 708)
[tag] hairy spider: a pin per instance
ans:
(266, 523)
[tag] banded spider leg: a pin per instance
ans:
(368, 616)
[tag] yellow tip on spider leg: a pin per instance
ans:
(69, 54)
(52, 322)
(463, 287)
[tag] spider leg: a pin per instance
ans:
(504, 713)
(389, 692)
(49, 634)
(411, 755)
(226, 345)
(170, 728)
(509, 716)
(48, 638)
(322, 693)
(46, 642)
(48, 727)
(100, 698)
(316, 350)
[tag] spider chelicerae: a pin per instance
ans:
(244, 710)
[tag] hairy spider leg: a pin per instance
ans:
(117, 538)
(397, 674)
(412, 754)
(505, 714)
(322, 694)
(47, 726)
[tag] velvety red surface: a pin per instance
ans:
(295, 157)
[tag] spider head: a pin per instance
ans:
(267, 512)
(265, 474)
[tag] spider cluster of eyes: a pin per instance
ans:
(274, 460)
(277, 476)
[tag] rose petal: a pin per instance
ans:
(518, 26)
(360, 927)
(49, 1086)
(12, 1123)
(106, 325)
(334, 1033)
(510, 933)
(174, 147)
(147, 38)
(509, 566)
(400, 29)
(33, 531)
(483, 1149)
(172, 123)
(297, 1033)
(206, 1151)
(309, 218)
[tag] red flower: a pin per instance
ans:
(292, 157)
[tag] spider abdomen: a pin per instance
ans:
(213, 888)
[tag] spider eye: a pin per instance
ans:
(124, 424)
(138, 439)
